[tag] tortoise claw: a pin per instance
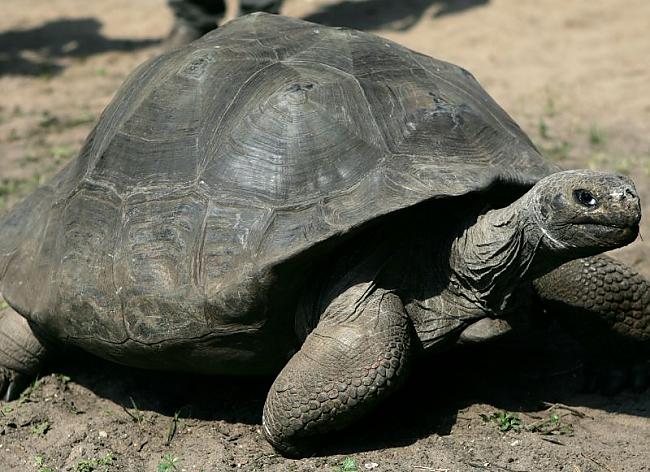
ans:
(9, 393)
(11, 384)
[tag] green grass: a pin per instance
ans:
(168, 462)
(60, 153)
(557, 151)
(507, 421)
(136, 415)
(173, 426)
(55, 123)
(348, 465)
(549, 108)
(13, 136)
(621, 164)
(504, 420)
(48, 120)
(62, 378)
(550, 145)
(40, 428)
(29, 159)
(81, 119)
(542, 128)
(39, 461)
(17, 187)
(101, 464)
(27, 395)
(552, 425)
(597, 137)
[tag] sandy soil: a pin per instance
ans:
(573, 74)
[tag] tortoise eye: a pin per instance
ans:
(585, 198)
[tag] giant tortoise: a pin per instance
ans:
(314, 203)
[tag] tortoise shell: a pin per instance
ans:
(217, 163)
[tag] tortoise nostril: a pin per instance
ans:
(625, 193)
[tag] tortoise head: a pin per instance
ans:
(565, 216)
(585, 212)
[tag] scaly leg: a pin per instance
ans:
(607, 306)
(354, 358)
(21, 354)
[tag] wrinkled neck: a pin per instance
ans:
(491, 257)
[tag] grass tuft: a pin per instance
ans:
(504, 420)
(348, 465)
(27, 395)
(168, 463)
(597, 137)
(39, 461)
(40, 428)
(101, 464)
(552, 425)
(173, 426)
(136, 415)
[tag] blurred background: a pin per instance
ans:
(574, 74)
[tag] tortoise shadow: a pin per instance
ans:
(230, 399)
(376, 14)
(524, 376)
(505, 376)
(37, 51)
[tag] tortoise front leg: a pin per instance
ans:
(21, 354)
(353, 359)
(606, 305)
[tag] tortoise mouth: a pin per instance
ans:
(625, 233)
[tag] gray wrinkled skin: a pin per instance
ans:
(281, 187)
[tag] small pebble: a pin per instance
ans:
(370, 465)
(103, 434)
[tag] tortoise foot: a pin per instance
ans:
(345, 367)
(21, 354)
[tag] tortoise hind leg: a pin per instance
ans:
(354, 358)
(606, 305)
(21, 354)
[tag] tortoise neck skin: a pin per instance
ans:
(565, 216)
(489, 259)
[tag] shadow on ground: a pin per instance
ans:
(376, 14)
(514, 376)
(37, 51)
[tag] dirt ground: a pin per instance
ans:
(573, 74)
